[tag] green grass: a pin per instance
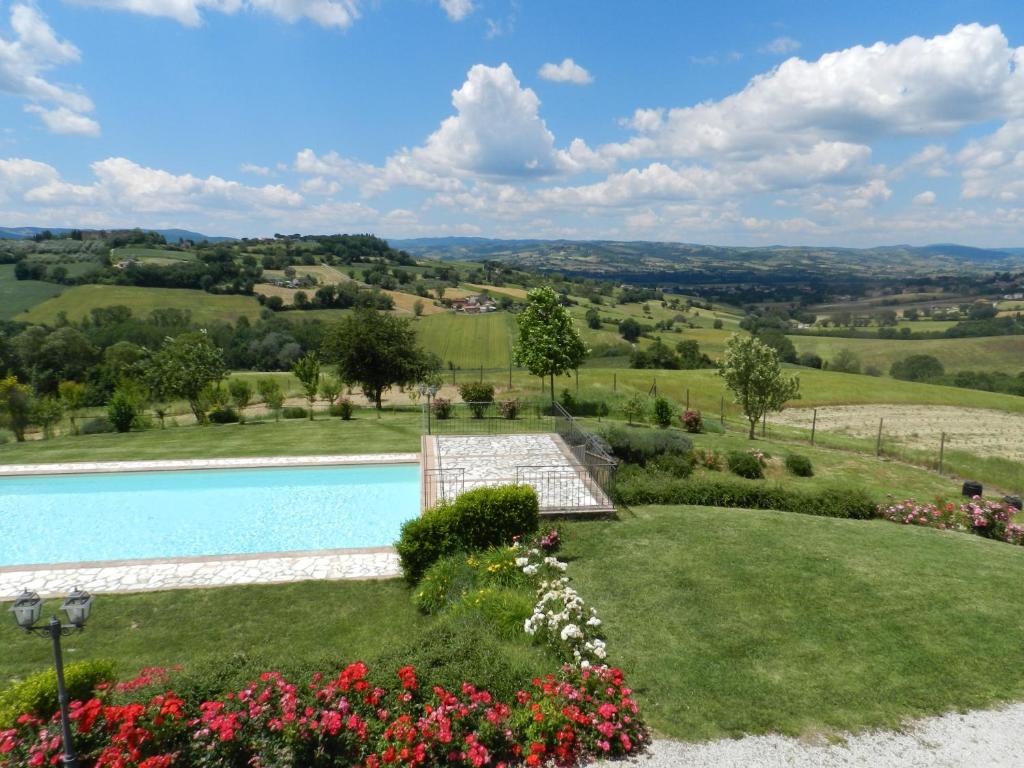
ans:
(392, 433)
(990, 353)
(17, 296)
(205, 307)
(153, 255)
(469, 341)
(736, 621)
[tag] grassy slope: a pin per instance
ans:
(993, 353)
(78, 301)
(469, 341)
(16, 296)
(366, 434)
(733, 622)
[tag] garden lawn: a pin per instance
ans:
(741, 621)
(392, 433)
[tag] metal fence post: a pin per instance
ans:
(942, 450)
(814, 424)
(878, 443)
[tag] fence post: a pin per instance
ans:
(577, 381)
(764, 424)
(687, 398)
(721, 409)
(615, 382)
(942, 450)
(814, 424)
(878, 443)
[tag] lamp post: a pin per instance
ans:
(429, 390)
(26, 609)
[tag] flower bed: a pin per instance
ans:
(349, 719)
(983, 517)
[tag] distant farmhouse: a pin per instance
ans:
(474, 305)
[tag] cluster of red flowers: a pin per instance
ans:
(345, 720)
(991, 519)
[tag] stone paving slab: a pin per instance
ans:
(191, 573)
(79, 467)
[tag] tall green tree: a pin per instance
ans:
(272, 394)
(186, 367)
(307, 371)
(16, 406)
(241, 395)
(72, 395)
(549, 343)
(377, 351)
(752, 372)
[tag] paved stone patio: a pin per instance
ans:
(540, 460)
(212, 571)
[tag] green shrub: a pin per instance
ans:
(478, 395)
(636, 486)
(475, 520)
(504, 609)
(744, 464)
(5, 436)
(343, 409)
(508, 409)
(294, 412)
(98, 426)
(447, 581)
(664, 412)
(442, 408)
(37, 694)
(225, 415)
(673, 464)
(577, 407)
(121, 411)
(799, 465)
(692, 422)
(708, 458)
(638, 446)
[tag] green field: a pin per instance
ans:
(17, 296)
(991, 353)
(151, 255)
(205, 307)
(469, 341)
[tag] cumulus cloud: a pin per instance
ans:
(339, 14)
(258, 170)
(457, 10)
(780, 46)
(32, 50)
(925, 198)
(993, 166)
(566, 72)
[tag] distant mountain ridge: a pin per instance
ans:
(170, 235)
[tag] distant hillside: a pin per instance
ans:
(171, 235)
(679, 262)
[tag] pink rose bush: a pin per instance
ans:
(349, 719)
(983, 517)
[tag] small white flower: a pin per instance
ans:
(521, 561)
(593, 621)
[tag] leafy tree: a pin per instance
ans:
(593, 319)
(16, 406)
(417, 307)
(664, 412)
(330, 389)
(241, 394)
(125, 405)
(46, 412)
(72, 395)
(377, 351)
(982, 310)
(691, 357)
(549, 343)
(718, 324)
(272, 394)
(751, 370)
(630, 329)
(845, 361)
(185, 367)
(780, 343)
(810, 360)
(307, 371)
(634, 408)
(917, 368)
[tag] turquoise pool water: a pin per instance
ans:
(128, 515)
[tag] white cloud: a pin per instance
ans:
(457, 10)
(32, 50)
(915, 87)
(925, 198)
(566, 72)
(63, 120)
(780, 46)
(993, 166)
(339, 14)
(257, 170)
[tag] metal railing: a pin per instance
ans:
(486, 419)
(442, 485)
(563, 488)
(587, 449)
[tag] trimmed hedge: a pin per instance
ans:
(37, 694)
(640, 445)
(636, 487)
(477, 519)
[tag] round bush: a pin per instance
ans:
(745, 465)
(226, 415)
(692, 422)
(638, 446)
(799, 465)
(294, 412)
(343, 409)
(97, 426)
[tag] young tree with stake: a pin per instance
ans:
(752, 372)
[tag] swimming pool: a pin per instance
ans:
(129, 515)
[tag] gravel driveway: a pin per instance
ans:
(980, 739)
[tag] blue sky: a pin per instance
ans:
(736, 123)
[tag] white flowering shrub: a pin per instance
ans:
(560, 618)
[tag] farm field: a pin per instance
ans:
(17, 296)
(151, 255)
(975, 430)
(405, 303)
(469, 341)
(992, 353)
(205, 307)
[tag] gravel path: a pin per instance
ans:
(980, 739)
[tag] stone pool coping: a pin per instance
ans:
(158, 465)
(201, 571)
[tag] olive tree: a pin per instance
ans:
(272, 394)
(307, 371)
(16, 403)
(752, 372)
(187, 366)
(549, 343)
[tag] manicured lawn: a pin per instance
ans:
(393, 432)
(735, 621)
(78, 301)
